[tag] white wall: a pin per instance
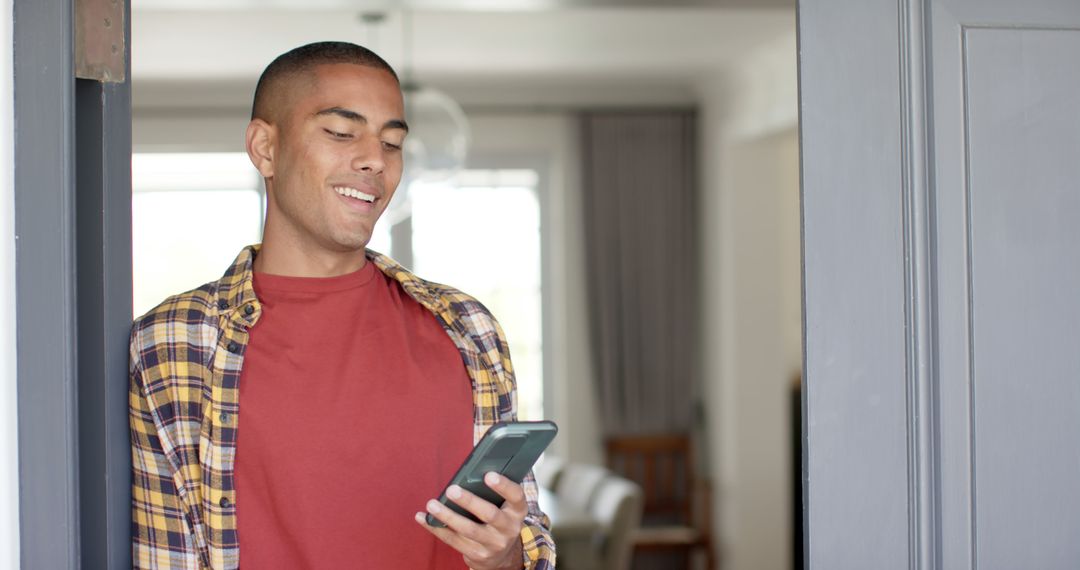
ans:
(751, 301)
(9, 458)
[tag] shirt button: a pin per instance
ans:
(249, 309)
(224, 502)
(223, 304)
(233, 347)
(224, 418)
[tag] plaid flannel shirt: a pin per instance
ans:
(186, 357)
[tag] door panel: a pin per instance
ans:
(1023, 109)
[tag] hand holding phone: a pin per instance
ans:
(509, 449)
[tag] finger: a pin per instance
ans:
(470, 549)
(453, 539)
(455, 522)
(478, 506)
(504, 486)
(515, 504)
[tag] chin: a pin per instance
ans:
(354, 244)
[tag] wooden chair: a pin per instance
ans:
(677, 504)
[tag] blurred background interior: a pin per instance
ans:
(623, 180)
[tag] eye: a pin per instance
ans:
(391, 146)
(337, 135)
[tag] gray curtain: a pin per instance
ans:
(639, 195)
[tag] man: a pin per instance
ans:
(361, 386)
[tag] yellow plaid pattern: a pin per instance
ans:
(186, 356)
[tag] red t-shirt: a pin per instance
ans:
(355, 409)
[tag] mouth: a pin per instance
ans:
(351, 192)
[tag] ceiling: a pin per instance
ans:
(499, 5)
(525, 46)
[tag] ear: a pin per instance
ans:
(261, 142)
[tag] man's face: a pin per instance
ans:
(337, 158)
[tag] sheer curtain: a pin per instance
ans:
(640, 184)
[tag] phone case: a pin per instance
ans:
(508, 448)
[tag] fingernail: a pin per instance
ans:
(420, 518)
(434, 506)
(493, 478)
(453, 491)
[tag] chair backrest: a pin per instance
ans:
(578, 482)
(617, 504)
(548, 470)
(663, 466)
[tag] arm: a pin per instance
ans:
(517, 535)
(539, 548)
(160, 535)
(537, 544)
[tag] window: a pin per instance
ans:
(482, 236)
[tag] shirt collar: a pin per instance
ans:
(415, 287)
(236, 291)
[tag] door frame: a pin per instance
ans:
(73, 297)
(870, 479)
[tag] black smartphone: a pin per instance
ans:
(508, 448)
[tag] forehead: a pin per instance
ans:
(365, 89)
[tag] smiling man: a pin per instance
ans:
(311, 401)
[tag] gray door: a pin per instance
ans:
(941, 227)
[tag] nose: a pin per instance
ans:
(368, 155)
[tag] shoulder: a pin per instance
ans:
(185, 319)
(437, 297)
(472, 319)
(186, 326)
(461, 310)
(188, 307)
(463, 306)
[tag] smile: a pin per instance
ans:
(354, 193)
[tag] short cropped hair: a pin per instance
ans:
(304, 59)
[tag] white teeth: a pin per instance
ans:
(354, 193)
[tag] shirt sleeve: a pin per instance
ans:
(160, 537)
(538, 546)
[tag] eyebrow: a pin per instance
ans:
(354, 116)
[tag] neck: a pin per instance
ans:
(277, 259)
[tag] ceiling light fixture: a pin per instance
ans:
(438, 140)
